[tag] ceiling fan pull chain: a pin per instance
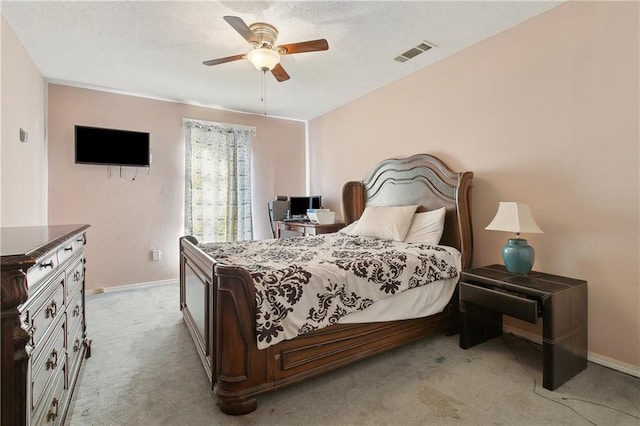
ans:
(264, 91)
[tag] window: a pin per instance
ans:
(218, 181)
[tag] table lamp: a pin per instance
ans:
(516, 217)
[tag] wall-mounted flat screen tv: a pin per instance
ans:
(112, 147)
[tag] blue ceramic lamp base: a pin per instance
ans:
(518, 256)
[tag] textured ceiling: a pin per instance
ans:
(156, 49)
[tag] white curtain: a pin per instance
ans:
(218, 181)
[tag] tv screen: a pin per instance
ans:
(298, 205)
(96, 145)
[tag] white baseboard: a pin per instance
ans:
(614, 364)
(620, 366)
(133, 286)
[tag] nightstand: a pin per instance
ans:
(286, 229)
(489, 292)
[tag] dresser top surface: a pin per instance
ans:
(25, 240)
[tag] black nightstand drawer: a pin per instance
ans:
(510, 304)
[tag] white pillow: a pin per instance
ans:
(347, 229)
(427, 227)
(385, 222)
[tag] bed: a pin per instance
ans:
(219, 306)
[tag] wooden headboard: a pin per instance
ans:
(422, 180)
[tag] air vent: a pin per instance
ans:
(414, 51)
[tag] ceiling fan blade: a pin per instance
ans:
(223, 60)
(242, 28)
(304, 46)
(279, 73)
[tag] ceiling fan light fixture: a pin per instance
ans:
(263, 59)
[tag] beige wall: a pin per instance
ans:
(23, 165)
(545, 113)
(129, 217)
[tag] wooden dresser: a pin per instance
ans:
(44, 339)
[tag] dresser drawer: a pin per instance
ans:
(75, 277)
(52, 408)
(48, 364)
(39, 272)
(70, 248)
(74, 310)
(514, 305)
(75, 348)
(44, 309)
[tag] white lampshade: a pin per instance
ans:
(263, 59)
(514, 217)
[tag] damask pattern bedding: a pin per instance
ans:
(304, 284)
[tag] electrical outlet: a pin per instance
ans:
(156, 254)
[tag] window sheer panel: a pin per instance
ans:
(218, 182)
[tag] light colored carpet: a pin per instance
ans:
(144, 370)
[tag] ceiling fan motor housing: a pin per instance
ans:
(266, 34)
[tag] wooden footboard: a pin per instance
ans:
(196, 300)
(226, 328)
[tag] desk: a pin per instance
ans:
(286, 229)
(489, 292)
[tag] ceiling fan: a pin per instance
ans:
(265, 55)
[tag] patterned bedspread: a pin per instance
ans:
(306, 283)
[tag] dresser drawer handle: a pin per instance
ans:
(76, 276)
(52, 310)
(30, 326)
(76, 345)
(47, 265)
(53, 413)
(52, 362)
(68, 248)
(76, 311)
